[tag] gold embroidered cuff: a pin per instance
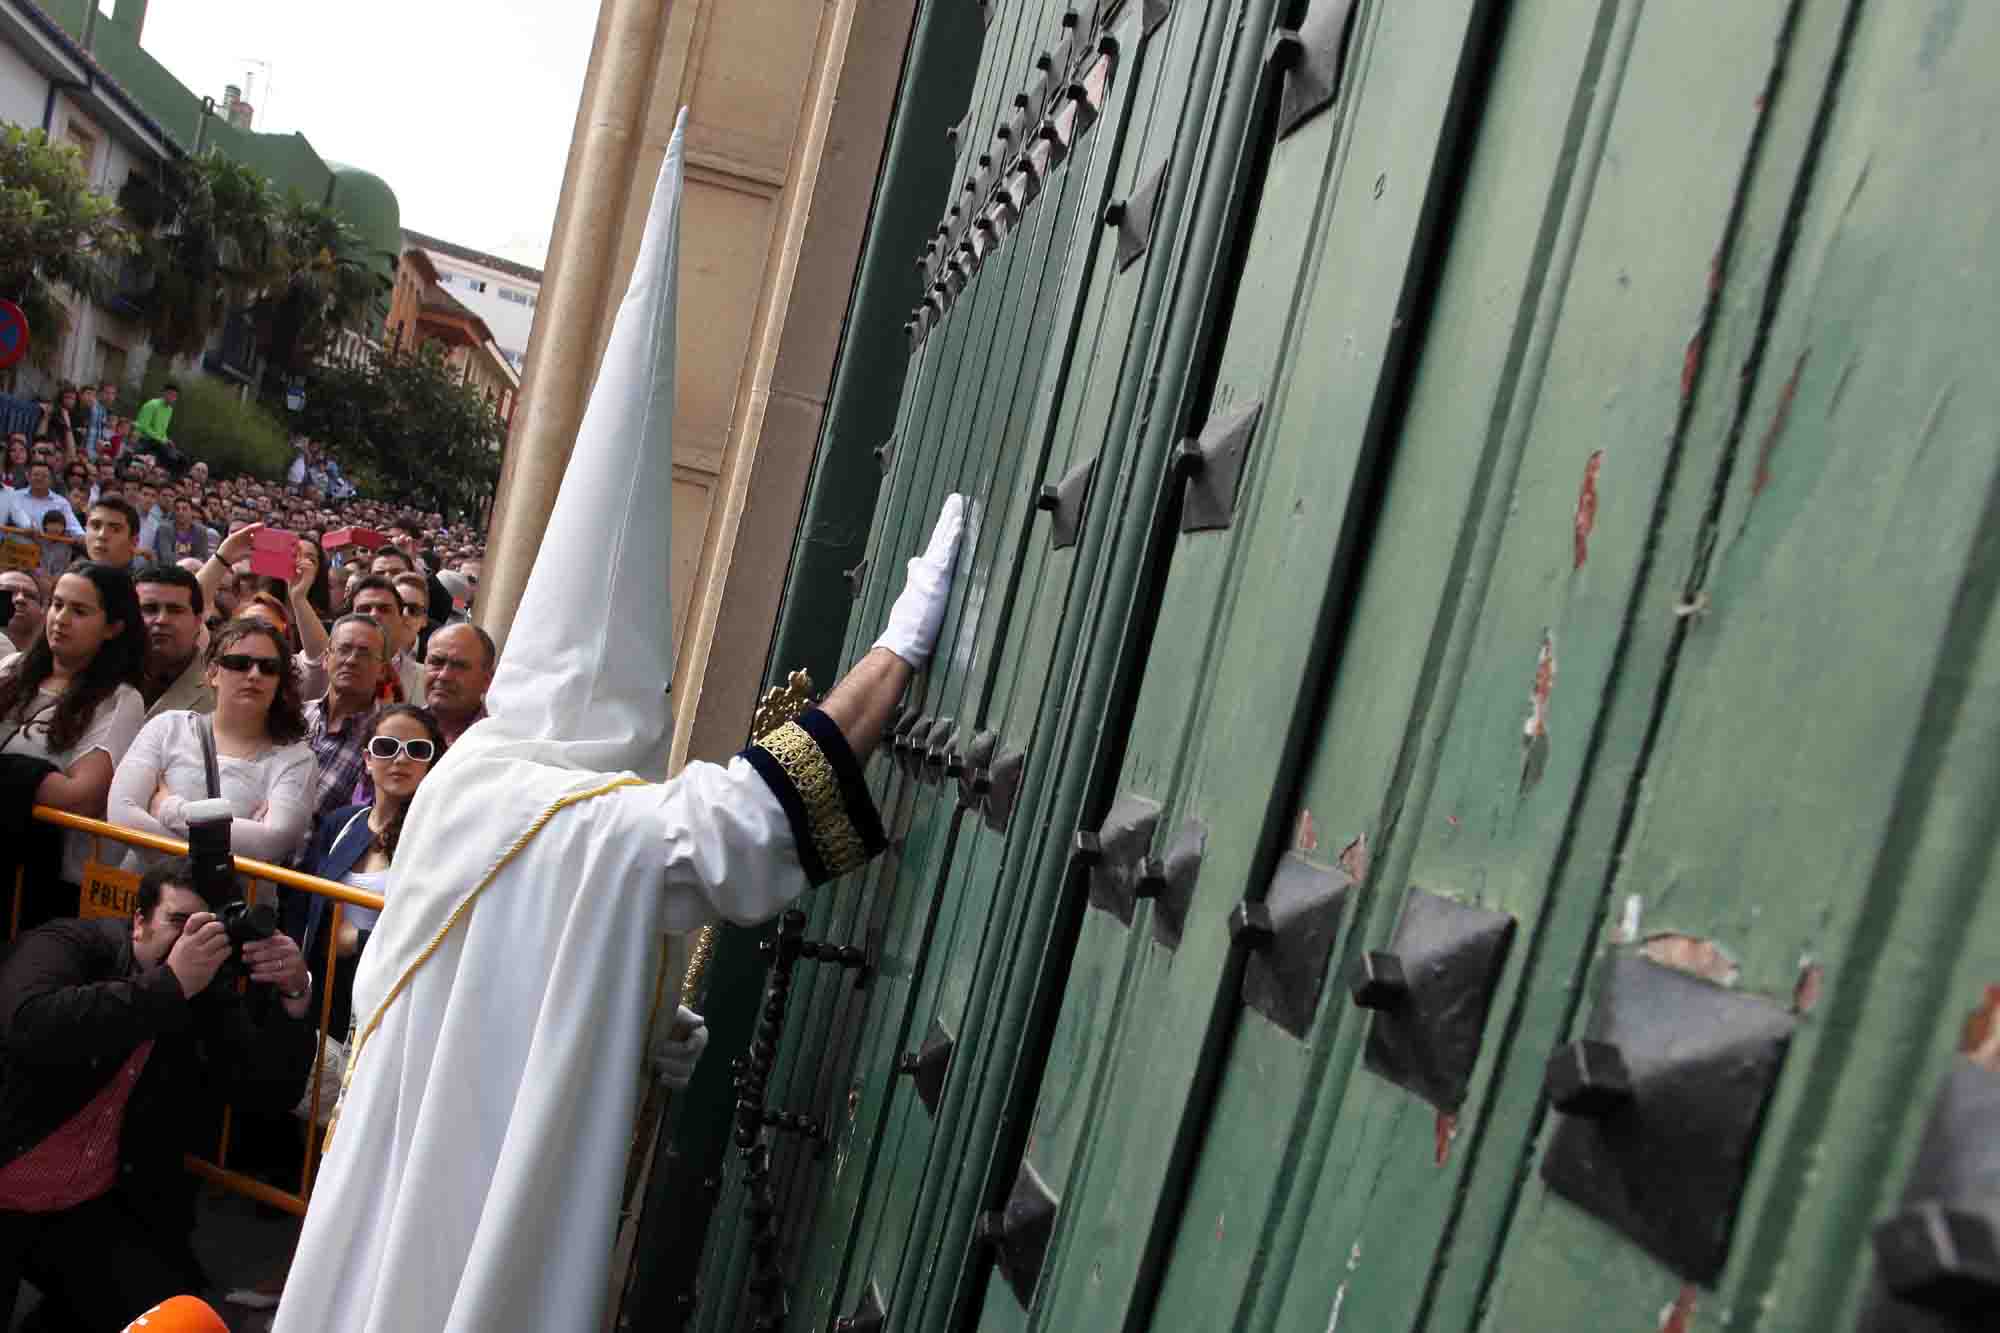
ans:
(810, 769)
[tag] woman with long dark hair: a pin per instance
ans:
(311, 580)
(70, 698)
(264, 768)
(357, 845)
(63, 425)
(14, 476)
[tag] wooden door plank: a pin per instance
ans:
(1807, 801)
(931, 893)
(1454, 458)
(1598, 413)
(1287, 574)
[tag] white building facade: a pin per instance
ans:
(499, 291)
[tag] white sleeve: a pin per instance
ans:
(137, 777)
(729, 850)
(287, 805)
(113, 727)
(789, 811)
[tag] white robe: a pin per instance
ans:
(474, 1179)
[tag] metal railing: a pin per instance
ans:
(22, 549)
(99, 873)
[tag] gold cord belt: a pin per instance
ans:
(457, 915)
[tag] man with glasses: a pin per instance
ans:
(377, 599)
(171, 674)
(25, 626)
(337, 722)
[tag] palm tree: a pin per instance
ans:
(212, 243)
(326, 285)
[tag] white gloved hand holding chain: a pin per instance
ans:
(914, 620)
(677, 1047)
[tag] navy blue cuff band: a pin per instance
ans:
(810, 769)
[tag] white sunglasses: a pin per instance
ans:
(393, 747)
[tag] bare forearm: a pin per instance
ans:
(865, 699)
(213, 572)
(312, 633)
(81, 795)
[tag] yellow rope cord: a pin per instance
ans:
(451, 922)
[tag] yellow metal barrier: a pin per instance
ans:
(106, 892)
(22, 548)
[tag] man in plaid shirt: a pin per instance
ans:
(336, 722)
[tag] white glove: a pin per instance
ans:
(673, 1058)
(919, 611)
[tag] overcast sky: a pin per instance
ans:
(464, 106)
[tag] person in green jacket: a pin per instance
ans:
(155, 419)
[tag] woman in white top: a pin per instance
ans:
(69, 700)
(263, 763)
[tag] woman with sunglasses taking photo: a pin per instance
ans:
(263, 766)
(356, 845)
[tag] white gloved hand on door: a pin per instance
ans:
(678, 1047)
(914, 620)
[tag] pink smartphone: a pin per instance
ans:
(274, 554)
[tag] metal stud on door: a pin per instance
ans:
(1937, 1260)
(1430, 991)
(1019, 1232)
(1660, 1109)
(1289, 934)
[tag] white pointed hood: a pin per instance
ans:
(583, 681)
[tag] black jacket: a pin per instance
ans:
(34, 848)
(74, 1003)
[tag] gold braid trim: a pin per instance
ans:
(704, 949)
(839, 843)
(458, 914)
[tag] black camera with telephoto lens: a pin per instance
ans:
(215, 878)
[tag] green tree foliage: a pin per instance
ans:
(326, 285)
(212, 242)
(55, 232)
(407, 423)
(219, 238)
(214, 422)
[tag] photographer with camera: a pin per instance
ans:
(118, 1041)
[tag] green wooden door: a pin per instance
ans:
(1514, 527)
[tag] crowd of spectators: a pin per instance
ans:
(151, 659)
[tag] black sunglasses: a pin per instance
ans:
(244, 662)
(392, 747)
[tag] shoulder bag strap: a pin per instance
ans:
(28, 720)
(348, 827)
(208, 756)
